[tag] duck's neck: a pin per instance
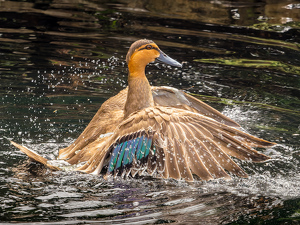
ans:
(139, 92)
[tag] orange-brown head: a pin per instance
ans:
(143, 52)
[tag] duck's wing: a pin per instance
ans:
(105, 121)
(175, 143)
(169, 96)
(111, 114)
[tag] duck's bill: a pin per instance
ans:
(168, 60)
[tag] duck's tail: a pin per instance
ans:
(34, 156)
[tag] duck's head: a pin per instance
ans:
(145, 51)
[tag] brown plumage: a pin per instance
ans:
(161, 130)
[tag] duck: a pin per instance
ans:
(162, 132)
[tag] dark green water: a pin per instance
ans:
(59, 61)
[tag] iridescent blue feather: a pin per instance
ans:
(127, 151)
(133, 149)
(121, 154)
(138, 146)
(114, 157)
(143, 149)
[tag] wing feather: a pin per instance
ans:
(171, 165)
(196, 164)
(161, 168)
(247, 138)
(181, 156)
(200, 130)
(236, 147)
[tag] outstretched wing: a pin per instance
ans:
(175, 143)
(111, 113)
(168, 96)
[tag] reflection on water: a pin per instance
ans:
(61, 60)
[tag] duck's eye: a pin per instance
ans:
(148, 47)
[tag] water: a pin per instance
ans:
(60, 61)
